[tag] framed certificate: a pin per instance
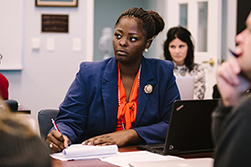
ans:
(57, 3)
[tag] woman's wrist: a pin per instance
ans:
(133, 137)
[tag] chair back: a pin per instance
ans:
(12, 104)
(44, 120)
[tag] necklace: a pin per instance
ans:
(119, 103)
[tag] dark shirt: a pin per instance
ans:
(231, 129)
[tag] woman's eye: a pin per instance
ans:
(172, 46)
(118, 36)
(133, 39)
(181, 46)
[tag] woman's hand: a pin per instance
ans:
(120, 138)
(57, 141)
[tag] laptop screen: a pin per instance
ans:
(186, 87)
(190, 127)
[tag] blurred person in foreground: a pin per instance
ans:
(19, 145)
(232, 119)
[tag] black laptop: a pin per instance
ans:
(189, 128)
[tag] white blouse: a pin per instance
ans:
(199, 76)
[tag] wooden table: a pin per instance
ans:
(98, 163)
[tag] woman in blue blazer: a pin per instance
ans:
(90, 111)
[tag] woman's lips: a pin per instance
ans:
(121, 52)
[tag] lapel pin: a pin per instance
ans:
(148, 89)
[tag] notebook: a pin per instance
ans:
(186, 87)
(195, 162)
(189, 128)
(79, 152)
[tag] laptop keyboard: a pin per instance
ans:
(155, 148)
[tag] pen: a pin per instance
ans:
(54, 124)
(235, 55)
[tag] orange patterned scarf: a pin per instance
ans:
(127, 111)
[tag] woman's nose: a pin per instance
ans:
(123, 42)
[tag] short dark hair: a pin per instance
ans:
(153, 23)
(184, 35)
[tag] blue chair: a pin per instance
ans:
(44, 120)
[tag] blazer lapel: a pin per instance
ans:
(146, 77)
(109, 88)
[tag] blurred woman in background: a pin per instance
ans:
(179, 48)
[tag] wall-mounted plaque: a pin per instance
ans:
(55, 23)
(57, 3)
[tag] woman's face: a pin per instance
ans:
(129, 40)
(178, 50)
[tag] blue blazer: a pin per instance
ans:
(91, 103)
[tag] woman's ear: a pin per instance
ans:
(148, 43)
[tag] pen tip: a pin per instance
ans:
(232, 52)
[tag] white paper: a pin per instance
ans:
(79, 151)
(123, 159)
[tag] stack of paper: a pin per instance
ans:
(79, 151)
(123, 159)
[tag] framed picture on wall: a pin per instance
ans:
(57, 3)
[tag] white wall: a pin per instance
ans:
(46, 76)
(11, 35)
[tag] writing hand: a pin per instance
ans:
(120, 138)
(57, 141)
